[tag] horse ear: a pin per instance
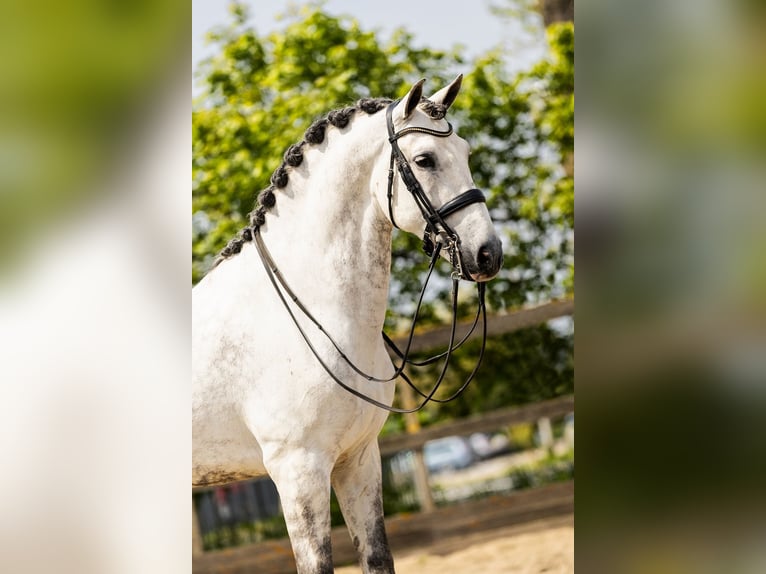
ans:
(412, 99)
(446, 96)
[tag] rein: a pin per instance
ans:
(438, 235)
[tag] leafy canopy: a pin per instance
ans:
(259, 93)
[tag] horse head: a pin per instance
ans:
(434, 195)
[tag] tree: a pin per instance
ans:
(523, 146)
(259, 94)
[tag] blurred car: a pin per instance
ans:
(450, 453)
(486, 445)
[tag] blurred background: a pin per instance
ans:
(671, 369)
(94, 206)
(94, 299)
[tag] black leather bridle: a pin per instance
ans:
(438, 235)
(437, 229)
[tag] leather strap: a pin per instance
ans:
(463, 200)
(280, 284)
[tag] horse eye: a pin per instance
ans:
(425, 161)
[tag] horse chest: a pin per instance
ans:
(310, 410)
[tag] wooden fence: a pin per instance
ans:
(439, 337)
(540, 413)
(533, 508)
(496, 325)
(483, 422)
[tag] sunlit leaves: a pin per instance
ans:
(260, 92)
(522, 132)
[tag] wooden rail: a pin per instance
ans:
(483, 422)
(496, 325)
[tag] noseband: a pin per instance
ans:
(438, 235)
(437, 229)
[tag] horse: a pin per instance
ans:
(296, 386)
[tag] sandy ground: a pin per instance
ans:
(543, 546)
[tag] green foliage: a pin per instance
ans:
(525, 366)
(522, 435)
(551, 469)
(259, 94)
(522, 132)
(245, 533)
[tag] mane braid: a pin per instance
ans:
(293, 157)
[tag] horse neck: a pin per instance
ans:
(329, 238)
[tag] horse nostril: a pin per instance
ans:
(489, 258)
(485, 257)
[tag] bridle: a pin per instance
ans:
(438, 235)
(437, 229)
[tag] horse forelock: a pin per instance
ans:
(293, 157)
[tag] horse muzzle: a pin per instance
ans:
(486, 262)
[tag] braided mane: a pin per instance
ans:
(293, 157)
